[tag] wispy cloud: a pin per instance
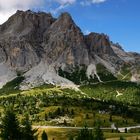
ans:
(14, 4)
(98, 1)
(8, 7)
(90, 2)
(56, 10)
(63, 2)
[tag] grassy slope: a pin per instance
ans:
(45, 99)
(56, 97)
(12, 86)
(108, 91)
(80, 117)
(125, 73)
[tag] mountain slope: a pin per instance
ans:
(29, 39)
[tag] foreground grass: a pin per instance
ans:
(64, 134)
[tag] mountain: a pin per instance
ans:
(44, 49)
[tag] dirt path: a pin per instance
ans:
(121, 129)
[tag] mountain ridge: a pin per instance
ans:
(30, 40)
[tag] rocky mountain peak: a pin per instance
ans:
(30, 38)
(66, 19)
(117, 45)
(65, 23)
(66, 41)
(99, 44)
(32, 15)
(65, 16)
(23, 23)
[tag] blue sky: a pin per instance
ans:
(120, 19)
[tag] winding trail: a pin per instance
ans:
(121, 129)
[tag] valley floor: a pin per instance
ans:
(65, 133)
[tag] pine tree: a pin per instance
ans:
(70, 138)
(85, 134)
(27, 132)
(110, 118)
(10, 129)
(122, 138)
(44, 136)
(98, 134)
(46, 117)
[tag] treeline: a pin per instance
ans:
(87, 134)
(59, 112)
(79, 75)
(33, 104)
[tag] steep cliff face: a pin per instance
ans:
(29, 39)
(26, 25)
(64, 42)
(21, 37)
(100, 49)
(99, 44)
(131, 63)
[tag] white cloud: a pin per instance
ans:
(23, 4)
(8, 7)
(63, 5)
(89, 2)
(54, 11)
(98, 1)
(5, 15)
(63, 2)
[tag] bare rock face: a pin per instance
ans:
(100, 49)
(2, 54)
(21, 37)
(26, 25)
(99, 44)
(29, 38)
(131, 61)
(64, 42)
(6, 74)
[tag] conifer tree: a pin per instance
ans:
(122, 138)
(98, 134)
(27, 132)
(85, 134)
(10, 129)
(44, 136)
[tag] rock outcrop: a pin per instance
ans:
(99, 44)
(64, 42)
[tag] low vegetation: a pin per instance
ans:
(12, 86)
(125, 92)
(113, 102)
